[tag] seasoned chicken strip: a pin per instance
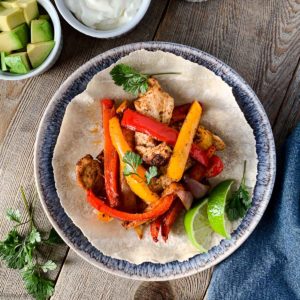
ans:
(155, 103)
(159, 105)
(155, 156)
(89, 174)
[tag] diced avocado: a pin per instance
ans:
(11, 18)
(22, 32)
(18, 63)
(41, 31)
(15, 39)
(44, 17)
(30, 9)
(38, 52)
(10, 3)
(3, 65)
(9, 42)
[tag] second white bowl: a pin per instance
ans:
(102, 34)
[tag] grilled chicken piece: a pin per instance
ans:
(155, 156)
(144, 140)
(155, 103)
(159, 105)
(159, 184)
(89, 174)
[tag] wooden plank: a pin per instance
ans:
(259, 39)
(80, 280)
(289, 114)
(21, 107)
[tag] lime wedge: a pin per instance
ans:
(216, 208)
(197, 227)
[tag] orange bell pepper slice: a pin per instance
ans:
(136, 183)
(184, 142)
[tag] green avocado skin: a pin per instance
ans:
(38, 52)
(18, 63)
(41, 31)
(3, 64)
(15, 39)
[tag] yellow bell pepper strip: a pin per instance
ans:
(157, 209)
(137, 183)
(184, 142)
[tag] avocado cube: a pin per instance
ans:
(11, 18)
(10, 3)
(44, 17)
(3, 65)
(38, 52)
(41, 31)
(15, 39)
(30, 9)
(18, 63)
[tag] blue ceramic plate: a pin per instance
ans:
(49, 130)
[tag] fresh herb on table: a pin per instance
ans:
(240, 200)
(132, 81)
(21, 251)
(132, 162)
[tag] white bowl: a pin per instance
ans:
(53, 56)
(102, 34)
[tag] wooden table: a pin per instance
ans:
(259, 39)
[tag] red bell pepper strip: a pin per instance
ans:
(154, 229)
(162, 132)
(170, 217)
(180, 112)
(160, 208)
(216, 166)
(111, 158)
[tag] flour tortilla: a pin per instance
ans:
(81, 133)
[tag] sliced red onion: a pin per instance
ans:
(198, 189)
(186, 198)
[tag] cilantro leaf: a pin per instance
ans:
(131, 80)
(13, 215)
(19, 252)
(132, 161)
(15, 250)
(36, 285)
(48, 266)
(53, 238)
(34, 236)
(152, 172)
(240, 201)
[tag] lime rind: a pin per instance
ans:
(198, 228)
(216, 208)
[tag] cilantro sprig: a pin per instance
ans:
(132, 161)
(240, 200)
(131, 80)
(21, 251)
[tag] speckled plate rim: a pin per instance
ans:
(74, 238)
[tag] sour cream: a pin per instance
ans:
(104, 14)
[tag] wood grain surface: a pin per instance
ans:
(259, 39)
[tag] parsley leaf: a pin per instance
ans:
(36, 285)
(152, 172)
(132, 161)
(13, 215)
(48, 266)
(240, 201)
(20, 252)
(132, 81)
(53, 238)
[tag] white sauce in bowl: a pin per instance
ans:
(104, 14)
